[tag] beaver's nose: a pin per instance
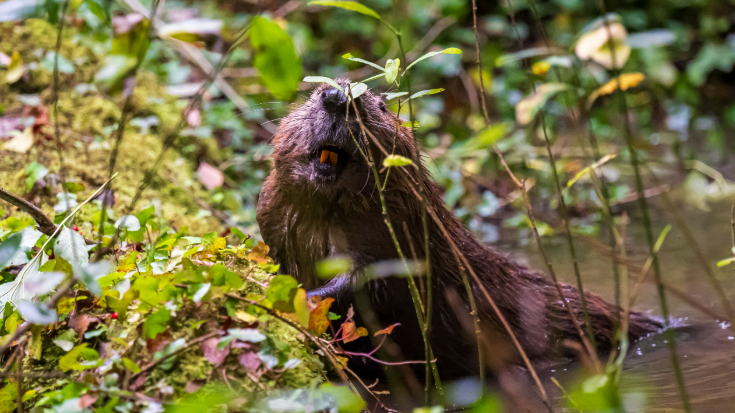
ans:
(334, 100)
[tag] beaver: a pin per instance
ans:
(321, 200)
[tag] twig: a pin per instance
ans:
(19, 379)
(55, 90)
(45, 224)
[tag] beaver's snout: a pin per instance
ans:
(333, 101)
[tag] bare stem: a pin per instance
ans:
(564, 213)
(645, 215)
(425, 225)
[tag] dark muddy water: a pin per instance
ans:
(706, 346)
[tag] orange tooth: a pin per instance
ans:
(324, 156)
(333, 158)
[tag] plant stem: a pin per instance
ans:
(57, 126)
(415, 296)
(430, 364)
(563, 210)
(645, 216)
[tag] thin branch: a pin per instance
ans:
(55, 91)
(45, 224)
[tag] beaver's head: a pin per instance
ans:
(318, 146)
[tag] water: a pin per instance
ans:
(706, 347)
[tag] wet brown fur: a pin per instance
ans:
(305, 219)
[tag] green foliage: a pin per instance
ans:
(275, 57)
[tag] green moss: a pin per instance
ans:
(88, 124)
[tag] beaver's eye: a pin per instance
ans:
(382, 107)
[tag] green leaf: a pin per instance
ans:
(348, 56)
(280, 289)
(66, 340)
(129, 47)
(415, 124)
(222, 276)
(34, 172)
(200, 290)
(9, 248)
(323, 79)
(275, 57)
(251, 335)
(391, 96)
(523, 54)
(156, 323)
(71, 360)
(145, 215)
(333, 266)
(192, 30)
(355, 90)
(486, 137)
(391, 70)
(451, 50)
(70, 246)
(725, 262)
(128, 222)
(527, 108)
(347, 401)
(39, 283)
(8, 398)
(347, 5)
(131, 365)
(90, 274)
(426, 93)
(39, 313)
(396, 160)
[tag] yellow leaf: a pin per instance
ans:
(540, 68)
(15, 68)
(351, 333)
(623, 82)
(587, 170)
(387, 330)
(527, 108)
(301, 306)
(21, 142)
(595, 45)
(318, 317)
(259, 253)
(218, 244)
(245, 317)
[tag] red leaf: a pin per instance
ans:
(81, 322)
(386, 330)
(210, 176)
(212, 354)
(157, 344)
(351, 333)
(250, 361)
